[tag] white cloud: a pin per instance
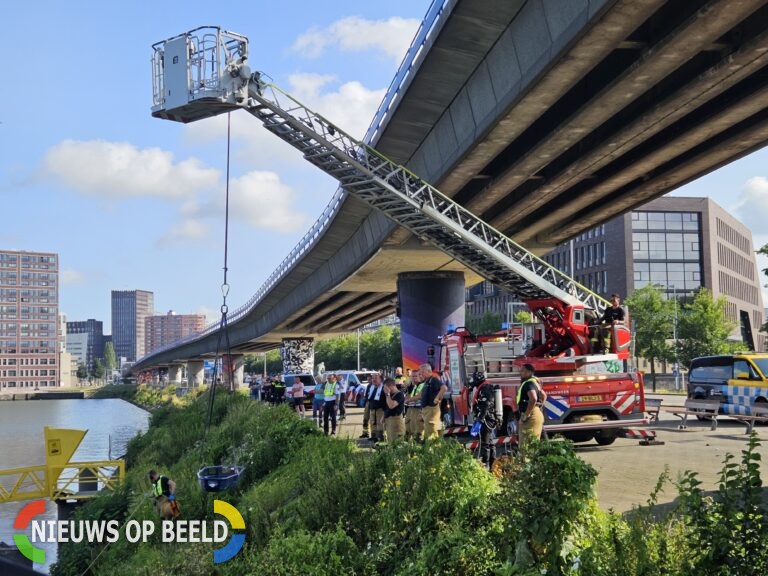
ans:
(120, 169)
(355, 34)
(262, 201)
(752, 209)
(351, 107)
(257, 199)
(187, 229)
(69, 277)
(752, 205)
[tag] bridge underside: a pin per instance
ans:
(546, 118)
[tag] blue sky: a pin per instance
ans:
(129, 201)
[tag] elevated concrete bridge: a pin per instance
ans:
(545, 118)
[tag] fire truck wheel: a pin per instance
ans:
(605, 439)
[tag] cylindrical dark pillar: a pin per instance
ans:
(298, 355)
(428, 302)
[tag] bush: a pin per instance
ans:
(551, 502)
(300, 553)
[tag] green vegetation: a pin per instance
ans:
(147, 397)
(97, 371)
(653, 324)
(110, 360)
(319, 506)
(702, 326)
(488, 323)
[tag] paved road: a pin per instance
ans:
(628, 471)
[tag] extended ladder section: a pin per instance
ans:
(182, 94)
(412, 202)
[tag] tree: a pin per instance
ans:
(488, 323)
(653, 318)
(98, 369)
(110, 360)
(703, 328)
(82, 372)
(524, 317)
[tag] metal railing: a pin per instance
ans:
(435, 11)
(61, 482)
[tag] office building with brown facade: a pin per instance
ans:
(681, 244)
(29, 320)
(165, 329)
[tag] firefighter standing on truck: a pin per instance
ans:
(530, 401)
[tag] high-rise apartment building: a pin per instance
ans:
(681, 244)
(95, 331)
(29, 319)
(162, 330)
(130, 308)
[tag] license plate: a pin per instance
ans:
(592, 398)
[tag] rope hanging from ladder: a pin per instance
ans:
(223, 332)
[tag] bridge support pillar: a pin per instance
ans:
(195, 373)
(298, 355)
(427, 303)
(238, 369)
(174, 374)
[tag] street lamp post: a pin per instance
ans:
(674, 337)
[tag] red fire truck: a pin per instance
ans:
(589, 395)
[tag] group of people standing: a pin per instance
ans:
(403, 406)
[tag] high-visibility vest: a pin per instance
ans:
(157, 487)
(330, 389)
(416, 392)
(520, 389)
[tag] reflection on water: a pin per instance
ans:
(108, 422)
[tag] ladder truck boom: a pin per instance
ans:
(205, 72)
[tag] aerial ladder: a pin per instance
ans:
(205, 72)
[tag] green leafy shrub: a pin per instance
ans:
(729, 530)
(551, 502)
(300, 553)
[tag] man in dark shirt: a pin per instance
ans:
(393, 411)
(613, 315)
(431, 395)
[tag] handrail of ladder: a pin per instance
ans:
(347, 148)
(358, 153)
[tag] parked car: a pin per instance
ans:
(357, 382)
(738, 380)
